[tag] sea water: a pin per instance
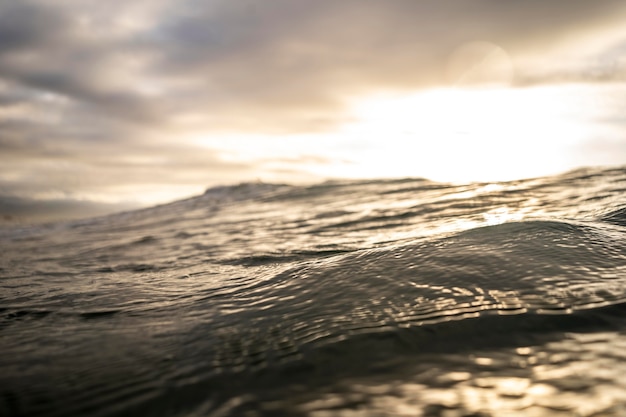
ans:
(398, 297)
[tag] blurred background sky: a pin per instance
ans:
(111, 105)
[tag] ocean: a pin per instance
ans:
(402, 297)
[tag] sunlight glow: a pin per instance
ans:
(452, 134)
(470, 134)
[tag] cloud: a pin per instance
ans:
(95, 91)
(277, 65)
(25, 25)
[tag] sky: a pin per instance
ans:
(111, 105)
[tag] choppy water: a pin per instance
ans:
(357, 298)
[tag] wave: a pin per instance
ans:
(617, 217)
(532, 268)
(346, 296)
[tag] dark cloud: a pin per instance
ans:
(24, 25)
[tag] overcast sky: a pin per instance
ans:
(146, 101)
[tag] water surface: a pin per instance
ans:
(347, 298)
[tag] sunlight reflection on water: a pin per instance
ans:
(533, 381)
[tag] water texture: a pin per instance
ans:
(347, 298)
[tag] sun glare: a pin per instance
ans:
(451, 134)
(469, 134)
